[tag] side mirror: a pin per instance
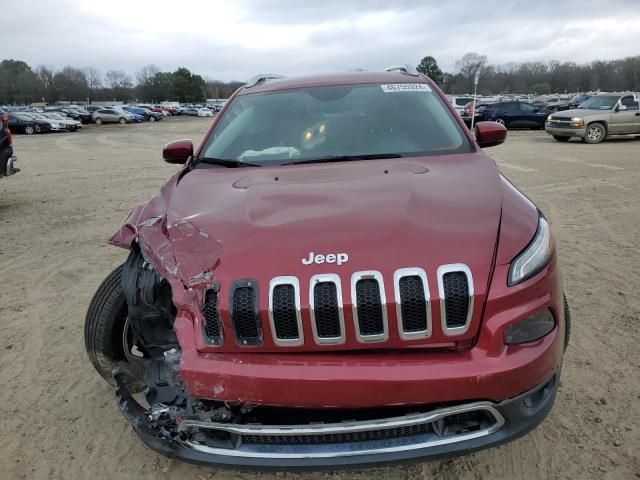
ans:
(178, 151)
(621, 108)
(490, 134)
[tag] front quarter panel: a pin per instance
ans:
(518, 223)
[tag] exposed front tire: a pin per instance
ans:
(560, 138)
(122, 120)
(108, 339)
(596, 133)
(29, 130)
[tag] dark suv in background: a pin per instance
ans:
(7, 159)
(516, 114)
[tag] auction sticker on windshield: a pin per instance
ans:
(405, 87)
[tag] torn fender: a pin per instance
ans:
(182, 253)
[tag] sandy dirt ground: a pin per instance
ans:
(59, 419)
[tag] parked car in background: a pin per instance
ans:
(69, 123)
(598, 118)
(460, 102)
(576, 101)
(204, 112)
(191, 111)
(56, 125)
(479, 113)
(93, 108)
(79, 114)
(515, 114)
(109, 115)
(23, 123)
(7, 158)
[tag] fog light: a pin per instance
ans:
(530, 329)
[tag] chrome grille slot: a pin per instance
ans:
(284, 311)
(413, 307)
(455, 286)
(327, 316)
(245, 315)
(369, 306)
(212, 325)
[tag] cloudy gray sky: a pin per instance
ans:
(234, 39)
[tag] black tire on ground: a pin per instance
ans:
(567, 322)
(29, 130)
(98, 121)
(501, 121)
(104, 331)
(596, 133)
(122, 120)
(561, 138)
(152, 118)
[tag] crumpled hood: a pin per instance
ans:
(384, 214)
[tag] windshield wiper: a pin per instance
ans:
(347, 158)
(227, 162)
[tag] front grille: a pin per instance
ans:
(212, 326)
(369, 307)
(413, 306)
(560, 119)
(285, 315)
(244, 314)
(456, 298)
(326, 310)
(367, 300)
(347, 437)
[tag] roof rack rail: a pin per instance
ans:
(262, 77)
(406, 68)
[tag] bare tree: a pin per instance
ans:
(469, 65)
(93, 78)
(146, 74)
(46, 88)
(117, 79)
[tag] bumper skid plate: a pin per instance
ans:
(445, 431)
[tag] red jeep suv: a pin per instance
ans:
(338, 276)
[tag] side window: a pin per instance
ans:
(629, 102)
(511, 108)
(527, 108)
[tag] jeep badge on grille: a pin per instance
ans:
(318, 259)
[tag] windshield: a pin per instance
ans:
(335, 122)
(600, 102)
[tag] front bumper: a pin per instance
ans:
(565, 131)
(512, 418)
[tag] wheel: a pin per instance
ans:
(152, 118)
(567, 323)
(29, 130)
(107, 335)
(122, 120)
(38, 129)
(501, 121)
(560, 138)
(98, 121)
(596, 133)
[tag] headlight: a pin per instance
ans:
(577, 122)
(530, 329)
(534, 257)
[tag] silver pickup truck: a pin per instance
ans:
(597, 118)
